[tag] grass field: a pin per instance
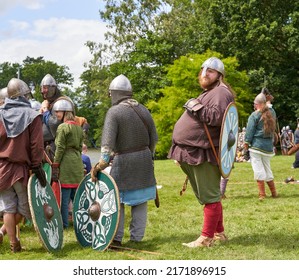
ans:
(267, 230)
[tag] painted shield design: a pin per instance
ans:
(228, 139)
(48, 170)
(45, 214)
(96, 211)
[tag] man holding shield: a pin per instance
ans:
(21, 150)
(195, 144)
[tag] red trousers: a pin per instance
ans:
(213, 219)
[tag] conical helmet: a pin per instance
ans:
(48, 80)
(121, 83)
(48, 87)
(17, 87)
(120, 89)
(213, 63)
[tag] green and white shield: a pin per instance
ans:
(228, 140)
(45, 213)
(96, 211)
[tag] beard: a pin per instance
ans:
(207, 83)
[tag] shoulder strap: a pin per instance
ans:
(140, 116)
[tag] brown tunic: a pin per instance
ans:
(190, 143)
(19, 154)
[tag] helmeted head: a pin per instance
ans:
(120, 88)
(16, 88)
(212, 63)
(48, 86)
(3, 95)
(64, 104)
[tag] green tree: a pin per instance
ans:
(8, 70)
(92, 96)
(32, 71)
(264, 36)
(183, 77)
(146, 36)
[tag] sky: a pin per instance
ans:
(57, 30)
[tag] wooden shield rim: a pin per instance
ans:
(33, 216)
(60, 193)
(223, 174)
(117, 201)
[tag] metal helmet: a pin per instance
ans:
(120, 88)
(212, 63)
(36, 105)
(49, 82)
(63, 104)
(3, 93)
(17, 87)
(121, 83)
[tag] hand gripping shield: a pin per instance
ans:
(45, 213)
(96, 211)
(228, 140)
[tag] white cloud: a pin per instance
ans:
(6, 5)
(59, 40)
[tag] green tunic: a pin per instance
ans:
(68, 141)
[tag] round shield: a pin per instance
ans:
(96, 211)
(45, 214)
(228, 140)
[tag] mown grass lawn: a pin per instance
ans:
(267, 230)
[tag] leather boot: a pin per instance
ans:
(261, 187)
(272, 188)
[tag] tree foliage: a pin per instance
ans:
(263, 35)
(32, 71)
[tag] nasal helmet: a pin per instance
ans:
(16, 88)
(120, 88)
(212, 63)
(49, 82)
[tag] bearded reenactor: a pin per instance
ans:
(192, 149)
(21, 150)
(129, 134)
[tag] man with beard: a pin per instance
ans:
(193, 151)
